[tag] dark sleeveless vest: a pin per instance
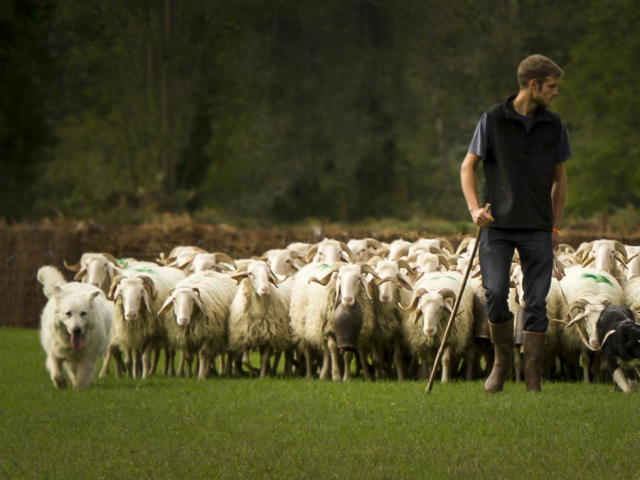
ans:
(518, 167)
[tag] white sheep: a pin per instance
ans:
(395, 250)
(201, 306)
(393, 286)
(348, 288)
(180, 256)
(586, 292)
(362, 249)
(633, 261)
(438, 245)
(97, 269)
(259, 316)
(631, 296)
(301, 293)
(605, 255)
(138, 294)
(283, 262)
(217, 261)
(329, 251)
(430, 307)
(424, 262)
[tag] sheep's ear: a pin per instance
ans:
(238, 277)
(198, 302)
(166, 305)
(115, 284)
(365, 286)
(115, 292)
(417, 317)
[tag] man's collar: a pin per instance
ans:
(541, 113)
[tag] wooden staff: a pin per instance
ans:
(454, 311)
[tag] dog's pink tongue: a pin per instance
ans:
(76, 341)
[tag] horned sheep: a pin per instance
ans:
(138, 296)
(587, 292)
(392, 287)
(345, 290)
(259, 316)
(430, 307)
(201, 306)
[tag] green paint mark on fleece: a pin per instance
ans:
(597, 278)
(438, 277)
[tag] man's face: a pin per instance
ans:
(542, 94)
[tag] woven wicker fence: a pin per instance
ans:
(25, 248)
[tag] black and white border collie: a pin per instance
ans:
(619, 336)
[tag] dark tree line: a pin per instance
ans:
(283, 110)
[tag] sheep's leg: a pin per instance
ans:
(235, 364)
(169, 361)
(136, 361)
(204, 364)
(446, 364)
(326, 362)
(128, 362)
(121, 368)
(104, 371)
(586, 364)
(54, 365)
(246, 361)
(517, 362)
(308, 362)
(347, 357)
(288, 363)
(225, 363)
(471, 364)
(398, 360)
(378, 362)
(181, 362)
(265, 356)
(147, 367)
(276, 360)
(214, 368)
(332, 347)
(300, 361)
(153, 358)
(362, 355)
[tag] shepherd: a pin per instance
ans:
(523, 147)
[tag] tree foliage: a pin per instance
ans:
(283, 110)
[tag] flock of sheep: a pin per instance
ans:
(335, 310)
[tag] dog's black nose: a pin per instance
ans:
(76, 331)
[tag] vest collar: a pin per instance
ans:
(541, 113)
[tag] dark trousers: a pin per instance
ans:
(496, 249)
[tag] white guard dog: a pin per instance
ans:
(75, 327)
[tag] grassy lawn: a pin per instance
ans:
(295, 428)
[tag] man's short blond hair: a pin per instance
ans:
(538, 67)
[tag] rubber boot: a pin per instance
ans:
(502, 339)
(533, 360)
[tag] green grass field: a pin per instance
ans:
(298, 429)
